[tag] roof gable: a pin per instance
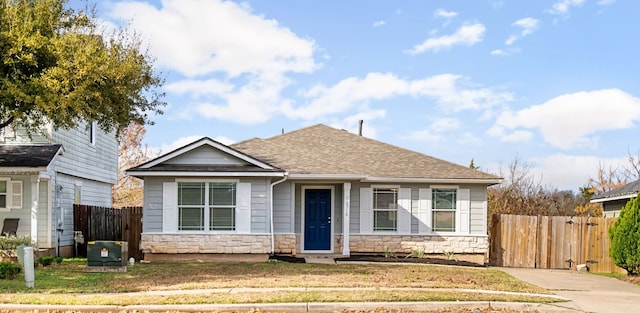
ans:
(324, 150)
(203, 155)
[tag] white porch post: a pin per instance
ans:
(35, 192)
(346, 208)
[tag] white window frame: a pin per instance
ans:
(207, 206)
(14, 191)
(456, 212)
(374, 209)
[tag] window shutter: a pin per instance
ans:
(424, 210)
(243, 208)
(463, 211)
(366, 210)
(169, 207)
(16, 194)
(404, 211)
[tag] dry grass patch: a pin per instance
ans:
(268, 297)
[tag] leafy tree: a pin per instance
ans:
(57, 66)
(625, 238)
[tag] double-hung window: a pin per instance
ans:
(444, 209)
(10, 194)
(222, 206)
(385, 209)
(206, 206)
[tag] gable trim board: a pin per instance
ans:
(201, 142)
(300, 158)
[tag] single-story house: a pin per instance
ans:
(313, 191)
(615, 199)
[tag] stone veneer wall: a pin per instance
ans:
(408, 243)
(205, 243)
(290, 244)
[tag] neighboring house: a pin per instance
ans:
(317, 190)
(43, 176)
(615, 199)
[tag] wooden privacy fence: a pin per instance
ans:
(104, 223)
(551, 242)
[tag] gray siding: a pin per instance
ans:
(205, 155)
(80, 158)
(152, 210)
(478, 214)
(260, 218)
(612, 208)
(91, 193)
(282, 208)
(152, 204)
(478, 209)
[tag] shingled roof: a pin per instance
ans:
(324, 150)
(627, 191)
(27, 155)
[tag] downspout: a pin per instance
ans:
(273, 239)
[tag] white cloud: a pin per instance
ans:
(249, 55)
(379, 23)
(442, 13)
(451, 92)
(569, 172)
(436, 130)
(567, 121)
(606, 2)
(467, 35)
(562, 7)
(445, 124)
(499, 52)
(200, 37)
(528, 25)
(352, 123)
(199, 87)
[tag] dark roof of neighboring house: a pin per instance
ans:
(629, 190)
(321, 149)
(28, 155)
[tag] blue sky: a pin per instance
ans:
(554, 83)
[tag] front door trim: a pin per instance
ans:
(303, 213)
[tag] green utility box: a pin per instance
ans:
(107, 253)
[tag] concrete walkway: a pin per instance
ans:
(587, 292)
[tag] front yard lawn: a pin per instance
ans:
(67, 283)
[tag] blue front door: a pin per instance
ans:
(317, 219)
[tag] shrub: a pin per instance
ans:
(625, 238)
(9, 245)
(46, 260)
(9, 270)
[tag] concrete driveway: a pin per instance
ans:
(588, 292)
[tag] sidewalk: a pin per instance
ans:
(587, 292)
